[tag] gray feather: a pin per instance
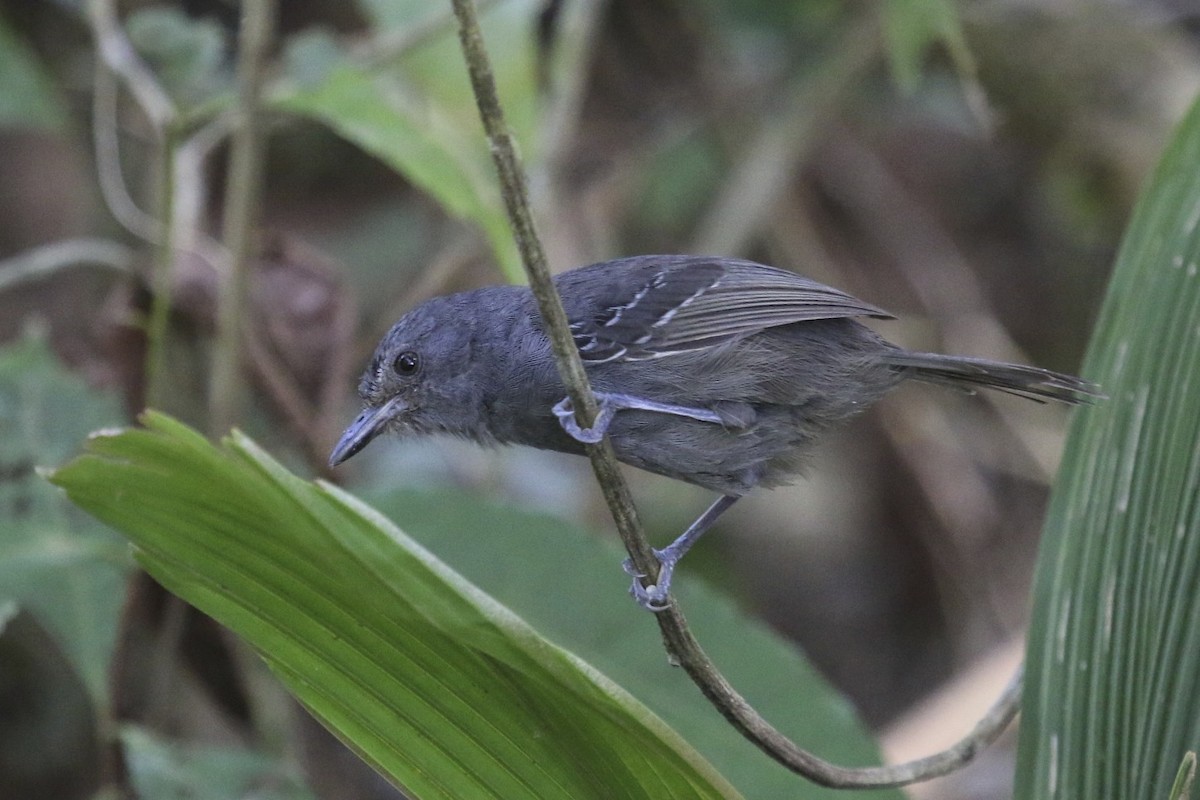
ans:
(671, 304)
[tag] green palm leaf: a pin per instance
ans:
(1112, 701)
(442, 689)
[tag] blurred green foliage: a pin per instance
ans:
(28, 96)
(188, 55)
(59, 564)
(913, 27)
(165, 770)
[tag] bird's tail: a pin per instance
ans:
(967, 374)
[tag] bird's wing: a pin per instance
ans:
(653, 306)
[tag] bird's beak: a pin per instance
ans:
(366, 426)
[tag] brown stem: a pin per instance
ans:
(515, 192)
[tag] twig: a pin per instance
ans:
(580, 26)
(118, 54)
(515, 192)
(191, 193)
(161, 277)
(681, 646)
(242, 200)
(338, 372)
(117, 59)
(110, 176)
(178, 227)
(46, 260)
(767, 738)
(953, 705)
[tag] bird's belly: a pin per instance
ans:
(725, 459)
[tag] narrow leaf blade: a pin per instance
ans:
(1112, 701)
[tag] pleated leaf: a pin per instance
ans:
(442, 689)
(1112, 703)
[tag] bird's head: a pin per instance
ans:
(419, 380)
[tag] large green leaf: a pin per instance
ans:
(569, 586)
(434, 683)
(411, 137)
(59, 564)
(1112, 701)
(417, 113)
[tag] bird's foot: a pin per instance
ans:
(657, 596)
(610, 403)
(566, 417)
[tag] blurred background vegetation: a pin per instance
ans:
(969, 166)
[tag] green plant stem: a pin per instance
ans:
(242, 206)
(38, 263)
(118, 54)
(157, 322)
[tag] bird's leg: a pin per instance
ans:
(654, 597)
(610, 403)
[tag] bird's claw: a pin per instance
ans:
(657, 596)
(652, 598)
(610, 403)
(566, 417)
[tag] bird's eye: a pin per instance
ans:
(407, 363)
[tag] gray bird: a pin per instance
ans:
(714, 371)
